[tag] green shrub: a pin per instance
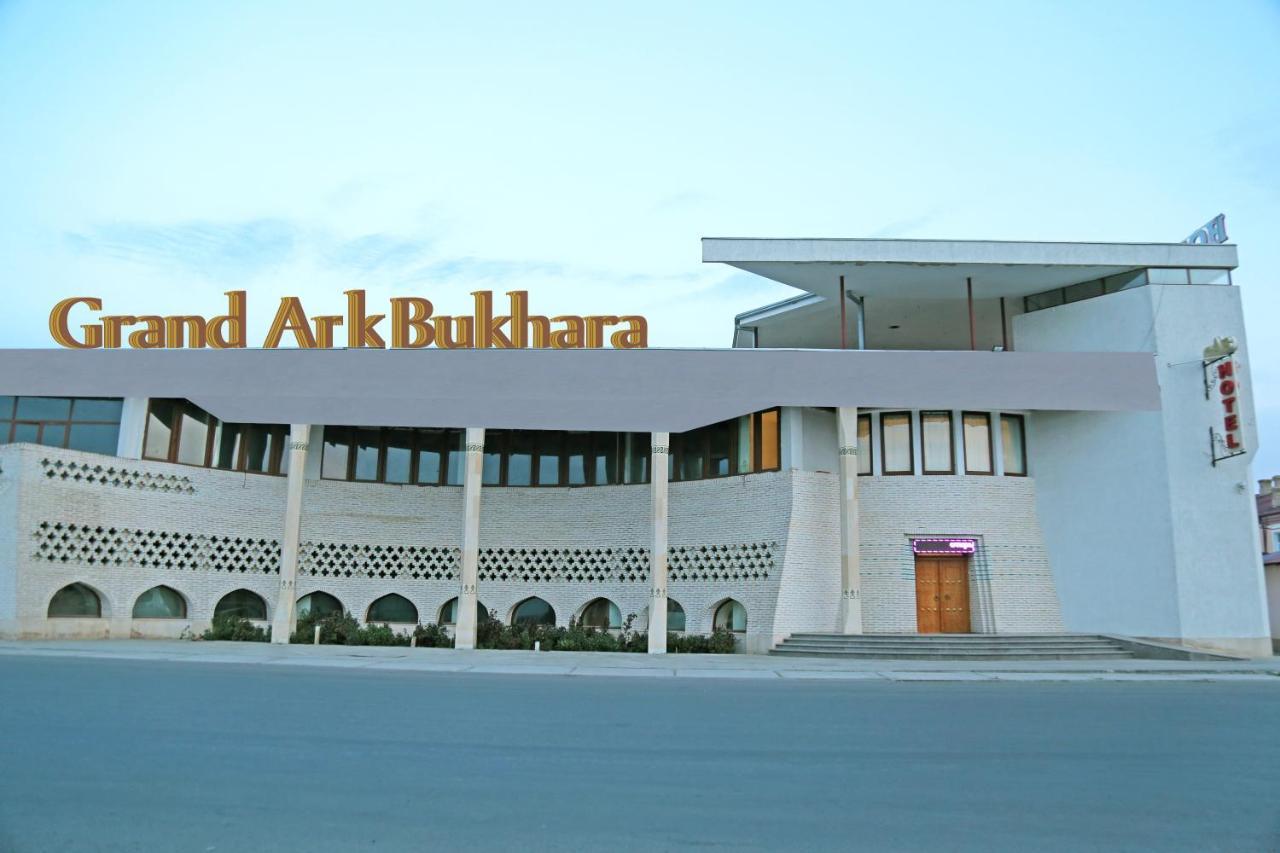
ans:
(340, 629)
(432, 637)
(231, 627)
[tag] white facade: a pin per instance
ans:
(1121, 521)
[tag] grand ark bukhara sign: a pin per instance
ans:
(410, 323)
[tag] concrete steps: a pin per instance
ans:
(953, 646)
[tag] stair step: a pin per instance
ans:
(928, 655)
(953, 646)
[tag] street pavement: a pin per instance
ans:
(104, 753)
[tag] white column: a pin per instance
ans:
(850, 568)
(464, 636)
(283, 619)
(659, 451)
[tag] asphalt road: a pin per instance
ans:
(142, 756)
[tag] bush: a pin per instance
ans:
(235, 628)
(719, 643)
(432, 637)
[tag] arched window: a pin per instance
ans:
(675, 615)
(319, 604)
(533, 611)
(242, 604)
(449, 612)
(603, 614)
(160, 602)
(731, 616)
(393, 608)
(76, 600)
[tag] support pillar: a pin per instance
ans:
(850, 564)
(659, 450)
(282, 621)
(464, 636)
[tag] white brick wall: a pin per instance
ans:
(792, 514)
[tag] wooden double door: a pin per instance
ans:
(942, 595)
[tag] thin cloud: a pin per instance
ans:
(216, 250)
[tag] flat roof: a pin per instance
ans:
(648, 390)
(938, 269)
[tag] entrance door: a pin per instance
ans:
(942, 595)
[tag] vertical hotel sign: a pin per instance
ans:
(1222, 388)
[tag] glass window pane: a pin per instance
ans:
(160, 415)
(193, 435)
(977, 443)
(675, 615)
(365, 448)
(1084, 290)
(692, 455)
(86, 409)
(520, 447)
(1167, 276)
(54, 435)
(393, 608)
(258, 441)
(319, 603)
(1125, 281)
(864, 444)
(494, 445)
(94, 438)
(337, 449)
(26, 432)
(5, 428)
(1206, 277)
(1012, 442)
(895, 442)
(44, 408)
(6, 407)
(720, 448)
(453, 449)
(770, 441)
(730, 616)
(159, 602)
(76, 600)
(533, 611)
(637, 457)
(935, 441)
(605, 448)
(241, 604)
(399, 453)
(577, 449)
(226, 446)
(550, 446)
(746, 431)
(429, 458)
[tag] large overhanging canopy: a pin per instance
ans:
(635, 390)
(938, 269)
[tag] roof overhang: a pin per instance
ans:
(938, 269)
(626, 390)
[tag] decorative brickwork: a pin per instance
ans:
(95, 545)
(95, 473)
(341, 560)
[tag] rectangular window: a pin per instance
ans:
(897, 456)
(398, 464)
(495, 441)
(691, 458)
(337, 453)
(1013, 442)
(550, 446)
(977, 443)
(430, 458)
(159, 437)
(605, 449)
(193, 436)
(577, 452)
(637, 457)
(935, 443)
(227, 443)
(455, 455)
(1168, 276)
(720, 449)
(770, 440)
(44, 409)
(864, 444)
(520, 450)
(365, 448)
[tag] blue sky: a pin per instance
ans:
(157, 154)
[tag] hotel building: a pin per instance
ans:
(932, 436)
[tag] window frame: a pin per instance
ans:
(991, 449)
(867, 452)
(1022, 428)
(950, 470)
(278, 435)
(11, 421)
(911, 446)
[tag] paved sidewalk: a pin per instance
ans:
(606, 664)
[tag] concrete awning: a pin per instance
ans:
(638, 390)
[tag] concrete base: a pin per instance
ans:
(1244, 647)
